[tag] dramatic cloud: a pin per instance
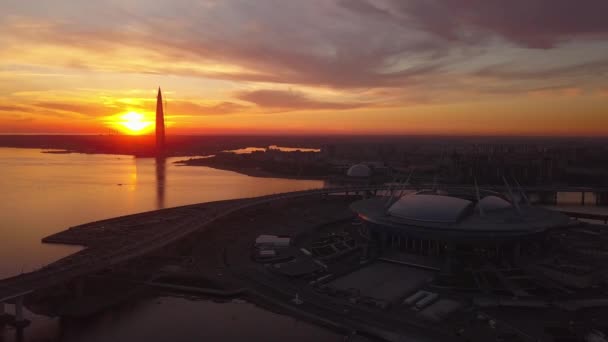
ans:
(594, 69)
(531, 23)
(220, 58)
(340, 61)
(342, 44)
(290, 100)
(192, 108)
(85, 109)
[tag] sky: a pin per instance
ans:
(449, 67)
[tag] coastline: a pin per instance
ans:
(57, 151)
(247, 171)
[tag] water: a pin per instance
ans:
(43, 193)
(176, 320)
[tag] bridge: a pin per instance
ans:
(189, 219)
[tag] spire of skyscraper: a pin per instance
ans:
(160, 124)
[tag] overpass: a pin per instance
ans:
(93, 260)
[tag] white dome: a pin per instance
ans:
(359, 170)
(492, 202)
(429, 208)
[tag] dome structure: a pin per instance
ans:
(455, 216)
(359, 171)
(430, 208)
(457, 227)
(491, 203)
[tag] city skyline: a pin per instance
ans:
(315, 67)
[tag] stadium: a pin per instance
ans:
(467, 226)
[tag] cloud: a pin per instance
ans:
(593, 69)
(11, 108)
(249, 41)
(193, 108)
(557, 92)
(530, 23)
(174, 107)
(291, 100)
(366, 8)
(392, 52)
(83, 109)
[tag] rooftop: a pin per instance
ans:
(430, 208)
(458, 214)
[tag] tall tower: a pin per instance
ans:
(160, 124)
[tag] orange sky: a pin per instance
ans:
(309, 67)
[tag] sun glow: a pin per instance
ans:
(134, 123)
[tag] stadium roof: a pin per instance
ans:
(457, 217)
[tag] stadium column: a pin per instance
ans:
(448, 258)
(19, 309)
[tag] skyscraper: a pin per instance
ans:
(160, 124)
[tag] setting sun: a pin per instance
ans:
(134, 123)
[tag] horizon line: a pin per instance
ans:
(317, 135)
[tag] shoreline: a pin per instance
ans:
(247, 171)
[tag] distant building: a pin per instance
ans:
(359, 171)
(160, 124)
